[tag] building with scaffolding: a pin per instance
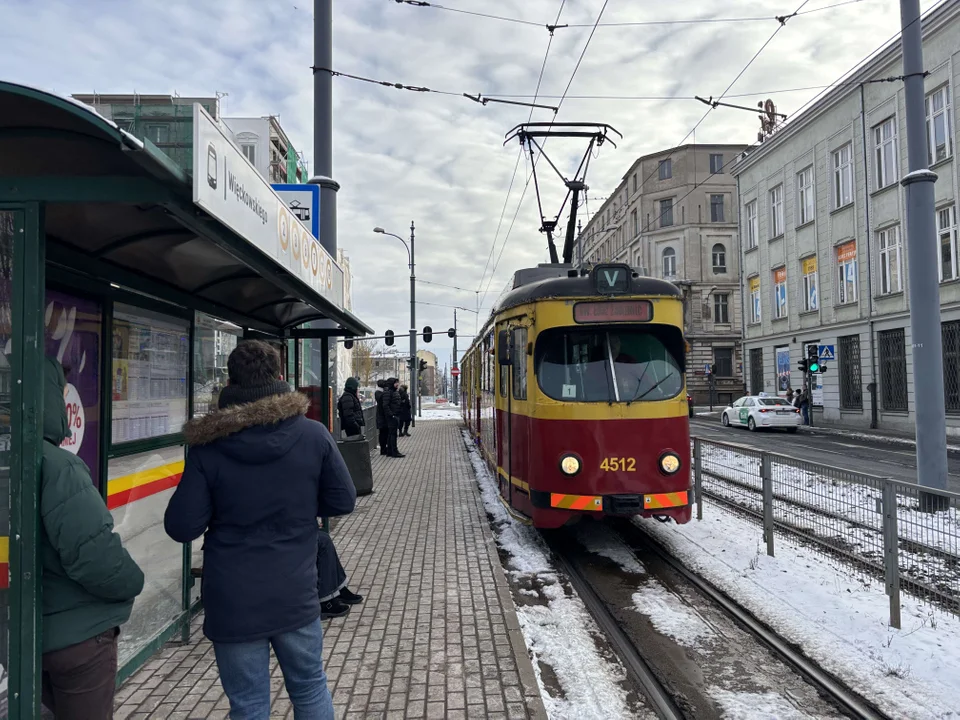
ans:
(166, 121)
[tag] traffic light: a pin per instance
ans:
(423, 365)
(452, 332)
(388, 337)
(813, 359)
(347, 344)
(802, 366)
(427, 333)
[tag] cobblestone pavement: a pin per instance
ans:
(436, 635)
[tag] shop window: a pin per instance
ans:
(148, 374)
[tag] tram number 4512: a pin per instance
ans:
(614, 464)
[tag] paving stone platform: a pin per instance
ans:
(436, 635)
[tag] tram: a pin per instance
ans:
(574, 392)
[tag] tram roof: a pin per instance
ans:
(558, 288)
(120, 210)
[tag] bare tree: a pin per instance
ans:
(363, 364)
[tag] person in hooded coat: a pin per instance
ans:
(89, 580)
(335, 597)
(391, 410)
(350, 409)
(406, 412)
(258, 475)
(381, 417)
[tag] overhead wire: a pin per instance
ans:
(566, 90)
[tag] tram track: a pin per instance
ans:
(654, 668)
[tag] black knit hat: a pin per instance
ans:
(254, 368)
(239, 395)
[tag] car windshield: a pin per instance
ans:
(774, 401)
(622, 364)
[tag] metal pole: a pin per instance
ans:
(456, 377)
(323, 149)
(414, 375)
(921, 242)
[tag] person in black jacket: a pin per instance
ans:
(335, 597)
(391, 410)
(257, 477)
(381, 418)
(350, 409)
(406, 414)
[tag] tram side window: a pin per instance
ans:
(620, 365)
(520, 363)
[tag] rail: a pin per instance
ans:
(906, 535)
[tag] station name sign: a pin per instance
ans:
(230, 189)
(613, 311)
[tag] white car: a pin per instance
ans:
(762, 411)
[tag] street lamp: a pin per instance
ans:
(414, 389)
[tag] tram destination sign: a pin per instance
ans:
(228, 187)
(606, 311)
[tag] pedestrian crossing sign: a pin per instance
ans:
(825, 352)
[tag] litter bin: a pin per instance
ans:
(356, 454)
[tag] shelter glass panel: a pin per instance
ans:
(139, 490)
(149, 374)
(7, 417)
(213, 341)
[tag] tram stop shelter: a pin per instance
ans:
(140, 277)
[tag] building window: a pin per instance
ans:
(754, 300)
(518, 355)
(666, 212)
(851, 390)
(780, 293)
(665, 169)
(716, 163)
(947, 232)
(885, 153)
(723, 361)
(721, 309)
(634, 183)
(808, 267)
(843, 176)
(249, 152)
(847, 273)
(716, 208)
(939, 129)
(806, 197)
(950, 332)
(751, 224)
(776, 211)
(888, 241)
(719, 259)
(635, 221)
(669, 263)
(893, 370)
(756, 371)
(157, 134)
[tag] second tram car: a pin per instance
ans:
(574, 391)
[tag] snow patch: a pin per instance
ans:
(671, 616)
(599, 542)
(839, 619)
(560, 633)
(439, 414)
(755, 706)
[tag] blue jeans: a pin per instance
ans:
(245, 674)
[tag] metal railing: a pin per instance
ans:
(896, 531)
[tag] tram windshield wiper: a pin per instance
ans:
(654, 386)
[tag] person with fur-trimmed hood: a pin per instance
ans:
(257, 477)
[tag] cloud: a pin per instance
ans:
(439, 160)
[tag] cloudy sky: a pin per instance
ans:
(438, 159)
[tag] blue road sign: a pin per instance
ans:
(825, 352)
(304, 202)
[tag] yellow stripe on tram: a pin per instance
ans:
(665, 500)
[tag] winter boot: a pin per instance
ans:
(333, 609)
(350, 598)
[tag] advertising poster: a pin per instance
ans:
(783, 369)
(72, 329)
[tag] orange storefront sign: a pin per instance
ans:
(847, 252)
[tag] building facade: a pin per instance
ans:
(674, 216)
(824, 252)
(428, 378)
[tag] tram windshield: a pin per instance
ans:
(619, 364)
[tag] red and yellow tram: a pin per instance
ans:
(575, 393)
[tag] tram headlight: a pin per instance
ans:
(570, 465)
(669, 463)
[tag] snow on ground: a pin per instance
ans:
(840, 621)
(440, 412)
(670, 615)
(754, 706)
(560, 633)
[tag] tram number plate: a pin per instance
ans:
(615, 464)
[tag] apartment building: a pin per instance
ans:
(674, 216)
(824, 252)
